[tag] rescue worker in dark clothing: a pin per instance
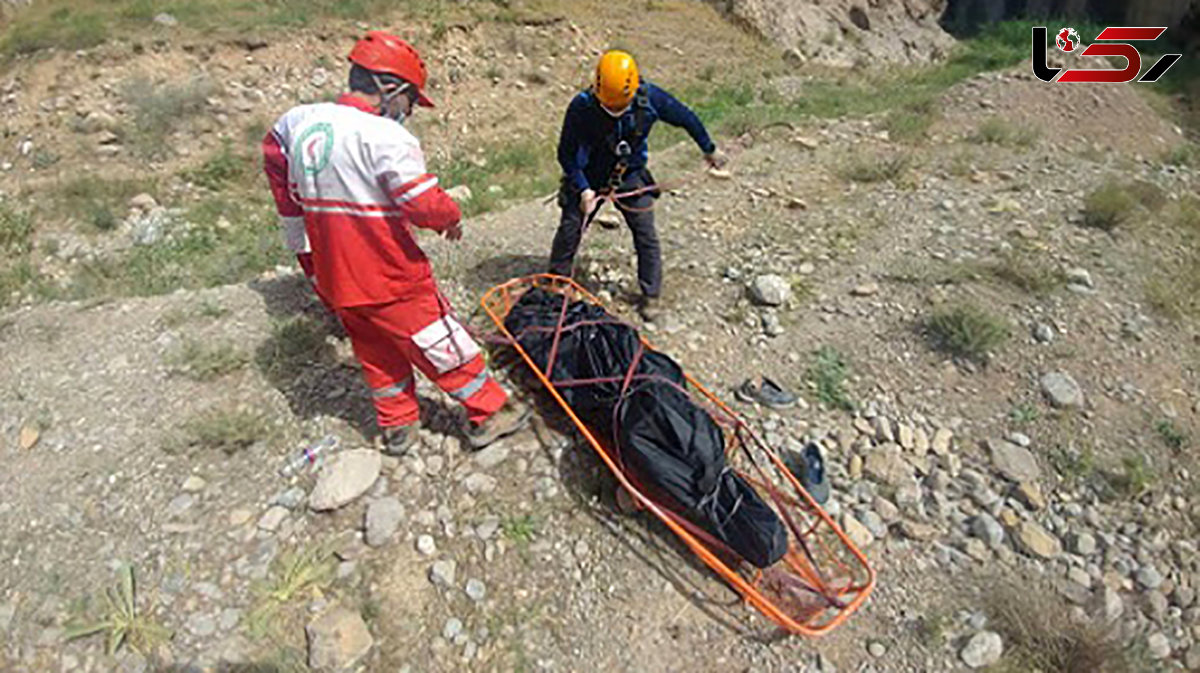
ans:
(602, 150)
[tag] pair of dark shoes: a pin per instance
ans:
(809, 469)
(769, 394)
(510, 418)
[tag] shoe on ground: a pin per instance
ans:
(809, 469)
(399, 440)
(651, 309)
(510, 418)
(769, 394)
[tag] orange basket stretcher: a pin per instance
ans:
(821, 580)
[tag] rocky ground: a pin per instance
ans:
(1040, 484)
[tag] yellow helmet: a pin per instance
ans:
(616, 80)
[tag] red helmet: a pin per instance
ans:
(382, 52)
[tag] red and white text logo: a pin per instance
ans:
(1112, 41)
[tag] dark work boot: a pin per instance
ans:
(399, 440)
(510, 418)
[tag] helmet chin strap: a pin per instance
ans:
(386, 97)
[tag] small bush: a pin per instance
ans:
(1024, 271)
(16, 231)
(1108, 206)
(294, 344)
(1024, 414)
(1041, 635)
(1171, 434)
(201, 362)
(221, 170)
(911, 123)
(874, 167)
(967, 332)
(1075, 466)
(1133, 479)
(159, 108)
(97, 201)
(827, 375)
(223, 429)
(998, 131)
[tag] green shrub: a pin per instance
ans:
(967, 332)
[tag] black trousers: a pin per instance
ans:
(640, 221)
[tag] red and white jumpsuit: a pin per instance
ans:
(349, 185)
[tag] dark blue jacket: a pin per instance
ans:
(586, 148)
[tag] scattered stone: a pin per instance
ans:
(143, 202)
(201, 625)
(272, 518)
(1014, 462)
(983, 649)
(180, 504)
(460, 193)
(193, 484)
(1158, 645)
(858, 533)
(165, 19)
(883, 430)
(1149, 578)
(337, 640)
(876, 649)
(29, 437)
(770, 290)
(1080, 276)
(1037, 541)
(796, 203)
(986, 528)
(1083, 544)
(905, 437)
(866, 289)
(492, 456)
(942, 438)
(720, 173)
(239, 517)
(888, 466)
(805, 142)
(1109, 604)
(1030, 495)
(291, 498)
(426, 546)
(1062, 390)
(874, 523)
(382, 519)
(487, 528)
(478, 483)
(917, 531)
(452, 629)
(1191, 660)
(920, 442)
(348, 476)
(855, 469)
(771, 324)
(1080, 577)
(1043, 333)
(442, 573)
(476, 590)
(1020, 439)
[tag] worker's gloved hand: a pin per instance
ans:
(716, 159)
(453, 233)
(587, 201)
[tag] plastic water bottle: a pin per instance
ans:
(309, 455)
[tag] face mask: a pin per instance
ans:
(386, 98)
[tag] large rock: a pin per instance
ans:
(840, 32)
(349, 475)
(1037, 541)
(887, 465)
(1062, 390)
(1014, 462)
(983, 649)
(770, 290)
(337, 641)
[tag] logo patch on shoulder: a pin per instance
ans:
(314, 147)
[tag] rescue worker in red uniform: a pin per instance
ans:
(350, 182)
